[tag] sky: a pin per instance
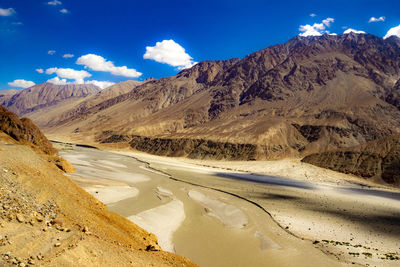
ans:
(105, 42)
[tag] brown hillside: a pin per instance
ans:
(24, 131)
(378, 160)
(46, 94)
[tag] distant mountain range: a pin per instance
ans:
(43, 95)
(311, 94)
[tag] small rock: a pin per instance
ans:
(31, 262)
(20, 218)
(85, 229)
(57, 244)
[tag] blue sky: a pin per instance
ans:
(96, 32)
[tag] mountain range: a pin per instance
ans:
(309, 95)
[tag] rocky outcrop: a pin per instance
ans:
(378, 160)
(24, 131)
(191, 148)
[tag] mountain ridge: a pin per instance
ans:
(310, 94)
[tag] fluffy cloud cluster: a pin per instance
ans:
(101, 84)
(373, 19)
(5, 12)
(40, 70)
(51, 52)
(54, 3)
(171, 53)
(57, 81)
(64, 11)
(316, 29)
(349, 30)
(21, 83)
(395, 31)
(98, 63)
(77, 75)
(68, 55)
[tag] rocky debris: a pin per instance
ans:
(20, 218)
(64, 165)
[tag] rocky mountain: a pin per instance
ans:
(308, 95)
(75, 107)
(377, 160)
(45, 94)
(24, 131)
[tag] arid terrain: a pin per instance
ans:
(47, 220)
(291, 152)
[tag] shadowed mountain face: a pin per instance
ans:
(310, 94)
(45, 94)
(24, 131)
(378, 160)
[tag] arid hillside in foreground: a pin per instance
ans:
(48, 220)
(311, 94)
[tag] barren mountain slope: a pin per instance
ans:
(377, 160)
(309, 94)
(48, 220)
(75, 107)
(46, 94)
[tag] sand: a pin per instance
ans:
(162, 221)
(344, 215)
(112, 194)
(229, 215)
(307, 215)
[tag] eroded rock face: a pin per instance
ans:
(378, 159)
(24, 130)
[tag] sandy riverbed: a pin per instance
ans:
(311, 203)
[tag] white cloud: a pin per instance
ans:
(58, 81)
(313, 15)
(21, 83)
(171, 53)
(101, 84)
(353, 31)
(51, 52)
(316, 29)
(68, 55)
(98, 63)
(5, 12)
(54, 3)
(395, 31)
(77, 75)
(373, 19)
(64, 11)
(40, 70)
